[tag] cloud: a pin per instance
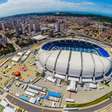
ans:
(25, 6)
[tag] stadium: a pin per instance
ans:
(75, 60)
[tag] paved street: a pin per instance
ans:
(95, 108)
(22, 104)
(28, 107)
(32, 108)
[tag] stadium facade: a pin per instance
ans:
(74, 59)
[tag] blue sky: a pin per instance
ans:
(3, 1)
(12, 7)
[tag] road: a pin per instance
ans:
(33, 108)
(27, 106)
(95, 108)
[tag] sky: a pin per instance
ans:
(13, 7)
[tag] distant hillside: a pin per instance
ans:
(93, 16)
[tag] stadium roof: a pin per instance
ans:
(81, 65)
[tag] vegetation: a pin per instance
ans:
(6, 50)
(38, 74)
(24, 42)
(1, 108)
(19, 109)
(99, 100)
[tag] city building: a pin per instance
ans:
(3, 40)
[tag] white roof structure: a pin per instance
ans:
(92, 85)
(83, 66)
(35, 87)
(9, 109)
(16, 58)
(60, 76)
(32, 90)
(73, 78)
(32, 100)
(20, 53)
(28, 52)
(75, 68)
(51, 79)
(29, 93)
(72, 86)
(69, 100)
(3, 103)
(39, 37)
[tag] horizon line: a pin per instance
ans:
(63, 13)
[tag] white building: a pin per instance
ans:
(39, 37)
(66, 63)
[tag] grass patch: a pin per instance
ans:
(99, 100)
(1, 108)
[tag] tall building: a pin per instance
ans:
(29, 29)
(62, 27)
(23, 28)
(3, 40)
(57, 27)
(36, 28)
(3, 26)
(18, 30)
